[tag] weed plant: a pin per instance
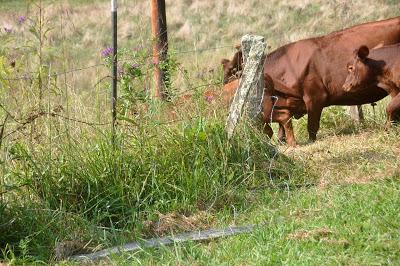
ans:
(63, 180)
(110, 191)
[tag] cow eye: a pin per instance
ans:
(350, 68)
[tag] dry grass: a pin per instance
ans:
(317, 234)
(351, 159)
(176, 222)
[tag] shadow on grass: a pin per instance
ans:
(335, 122)
(359, 156)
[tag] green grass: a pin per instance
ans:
(346, 224)
(92, 192)
(331, 202)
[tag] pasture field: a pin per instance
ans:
(65, 188)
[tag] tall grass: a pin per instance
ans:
(61, 178)
(89, 190)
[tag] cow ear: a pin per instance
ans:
(224, 61)
(363, 52)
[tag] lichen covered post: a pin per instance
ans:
(251, 87)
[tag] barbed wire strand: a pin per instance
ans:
(28, 75)
(34, 116)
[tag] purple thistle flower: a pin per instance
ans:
(8, 29)
(208, 98)
(107, 52)
(21, 19)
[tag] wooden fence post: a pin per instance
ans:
(160, 47)
(251, 87)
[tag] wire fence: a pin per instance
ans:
(190, 85)
(24, 120)
(28, 75)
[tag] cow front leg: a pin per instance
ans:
(314, 106)
(314, 117)
(281, 134)
(288, 127)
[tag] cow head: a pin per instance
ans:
(228, 70)
(232, 68)
(359, 71)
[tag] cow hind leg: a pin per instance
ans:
(393, 111)
(396, 117)
(285, 133)
(288, 127)
(281, 134)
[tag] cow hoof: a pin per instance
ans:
(310, 141)
(292, 143)
(282, 140)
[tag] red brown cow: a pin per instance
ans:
(312, 72)
(233, 68)
(380, 68)
(226, 95)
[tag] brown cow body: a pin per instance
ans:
(226, 95)
(314, 71)
(309, 74)
(378, 68)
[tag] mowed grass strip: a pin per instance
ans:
(355, 224)
(350, 215)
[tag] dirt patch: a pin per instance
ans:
(175, 222)
(316, 234)
(65, 249)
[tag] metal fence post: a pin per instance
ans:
(115, 67)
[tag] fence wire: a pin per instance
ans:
(27, 75)
(23, 121)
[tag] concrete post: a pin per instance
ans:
(250, 92)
